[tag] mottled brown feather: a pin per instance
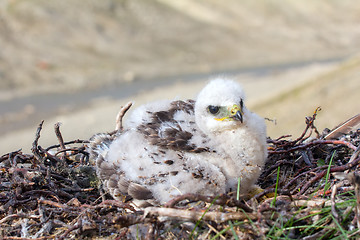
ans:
(139, 192)
(173, 138)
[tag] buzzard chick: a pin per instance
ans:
(176, 147)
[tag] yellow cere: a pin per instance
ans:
(231, 111)
(235, 108)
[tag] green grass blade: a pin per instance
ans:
(276, 187)
(238, 190)
(327, 184)
(202, 216)
(233, 230)
(344, 235)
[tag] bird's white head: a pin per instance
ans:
(220, 106)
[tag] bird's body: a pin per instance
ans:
(170, 148)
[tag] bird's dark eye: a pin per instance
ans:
(213, 109)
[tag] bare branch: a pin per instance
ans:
(120, 115)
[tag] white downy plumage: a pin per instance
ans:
(169, 148)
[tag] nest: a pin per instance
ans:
(310, 191)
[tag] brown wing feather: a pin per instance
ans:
(344, 128)
(139, 192)
(173, 136)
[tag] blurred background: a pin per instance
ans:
(78, 61)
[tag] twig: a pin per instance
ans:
(59, 137)
(111, 203)
(78, 190)
(41, 192)
(223, 200)
(354, 178)
(13, 162)
(34, 148)
(279, 163)
(271, 190)
(22, 238)
(52, 203)
(354, 156)
(302, 174)
(314, 143)
(333, 203)
(320, 175)
(67, 143)
(120, 115)
(215, 230)
(195, 215)
(309, 124)
(77, 225)
(49, 155)
(354, 234)
(72, 150)
(17, 215)
(320, 202)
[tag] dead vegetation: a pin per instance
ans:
(311, 191)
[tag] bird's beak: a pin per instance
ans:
(232, 113)
(236, 113)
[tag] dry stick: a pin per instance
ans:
(333, 203)
(150, 232)
(122, 234)
(17, 215)
(313, 143)
(67, 143)
(354, 178)
(49, 155)
(52, 203)
(354, 156)
(215, 231)
(322, 174)
(272, 190)
(279, 138)
(59, 137)
(222, 200)
(120, 115)
(278, 163)
(354, 234)
(77, 225)
(14, 160)
(78, 190)
(193, 215)
(304, 173)
(309, 124)
(35, 149)
(72, 150)
(111, 203)
(312, 170)
(22, 238)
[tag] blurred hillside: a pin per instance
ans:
(52, 46)
(77, 61)
(335, 91)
